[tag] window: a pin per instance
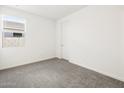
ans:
(13, 31)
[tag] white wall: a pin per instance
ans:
(0, 42)
(122, 43)
(39, 42)
(92, 39)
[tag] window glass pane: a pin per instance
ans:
(13, 31)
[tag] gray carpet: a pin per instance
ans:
(55, 73)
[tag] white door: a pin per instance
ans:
(65, 40)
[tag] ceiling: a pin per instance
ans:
(50, 11)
